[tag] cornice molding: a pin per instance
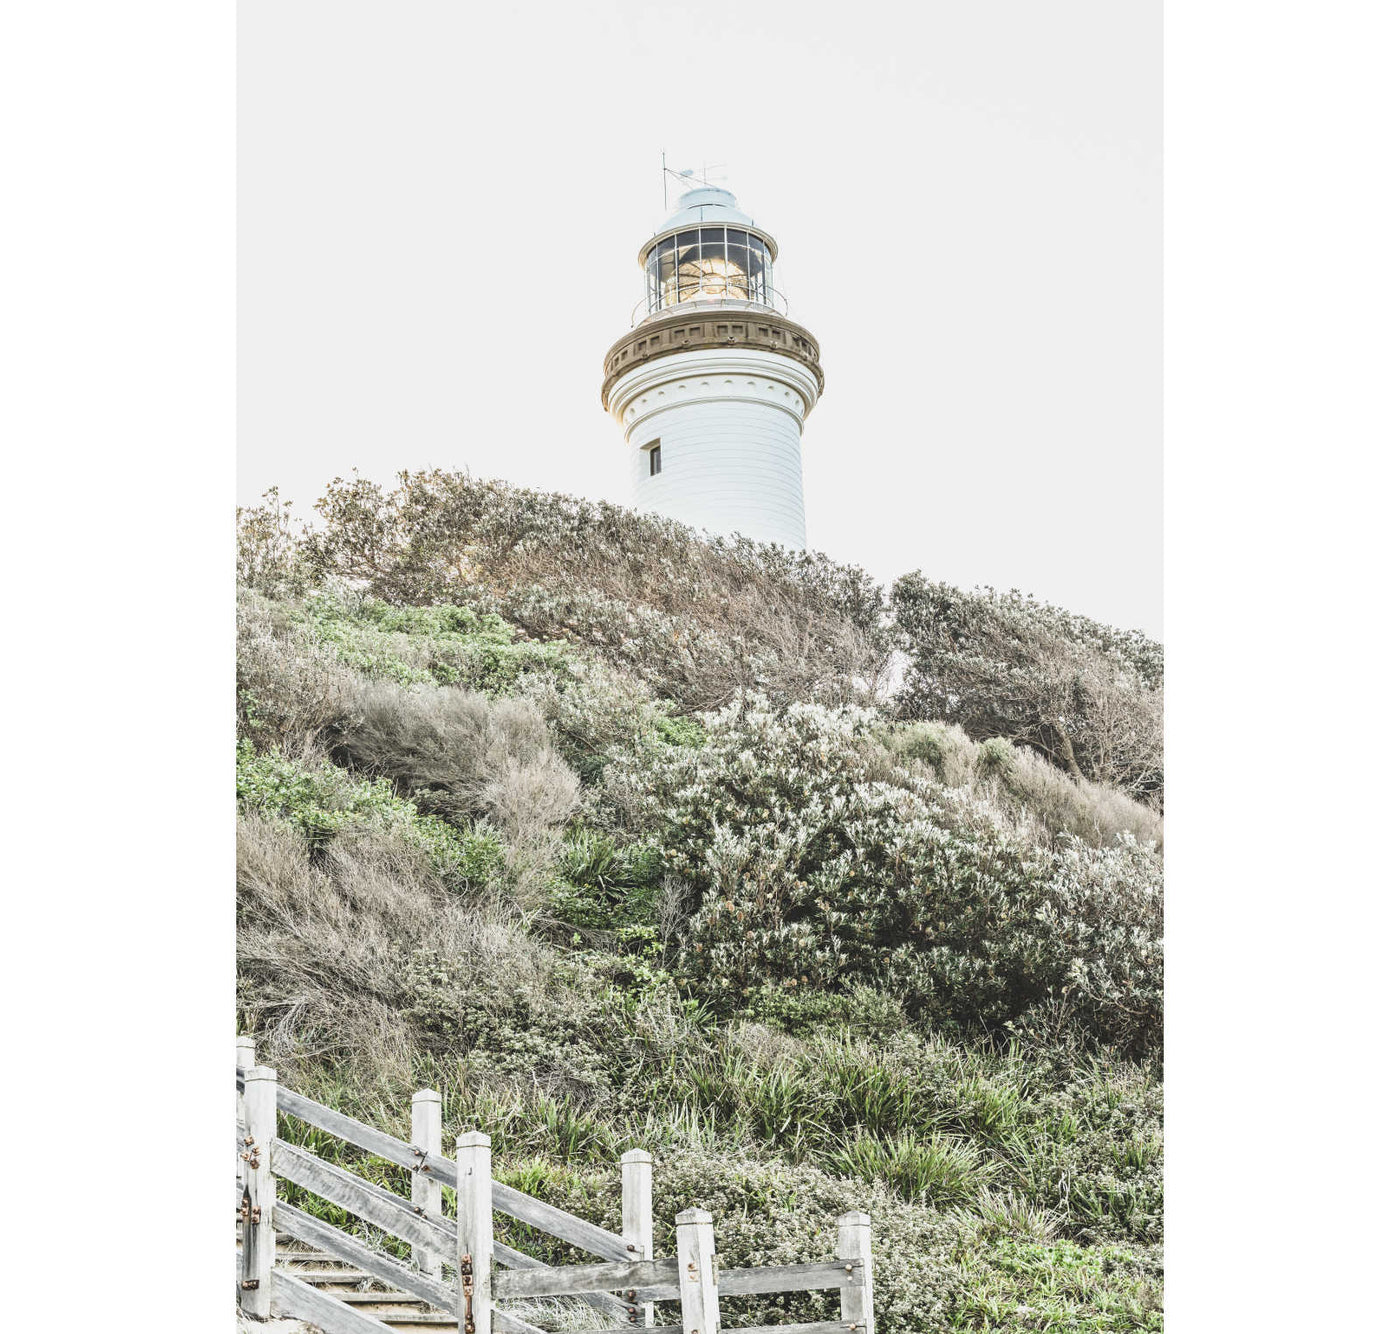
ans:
(696, 329)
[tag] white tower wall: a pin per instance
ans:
(730, 429)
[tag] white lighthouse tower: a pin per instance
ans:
(714, 382)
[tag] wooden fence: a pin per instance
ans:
(626, 1285)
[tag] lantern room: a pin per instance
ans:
(708, 251)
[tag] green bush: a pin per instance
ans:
(1057, 1287)
(949, 752)
(448, 644)
(322, 801)
(806, 871)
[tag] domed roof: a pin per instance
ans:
(707, 205)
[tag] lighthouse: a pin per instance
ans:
(714, 382)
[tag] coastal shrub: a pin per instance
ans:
(319, 941)
(538, 1036)
(1095, 812)
(805, 872)
(271, 556)
(1087, 696)
(948, 751)
(698, 619)
(588, 705)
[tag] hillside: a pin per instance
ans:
(832, 896)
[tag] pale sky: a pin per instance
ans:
(966, 197)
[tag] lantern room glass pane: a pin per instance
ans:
(688, 271)
(653, 283)
(737, 251)
(666, 270)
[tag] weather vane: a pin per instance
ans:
(687, 177)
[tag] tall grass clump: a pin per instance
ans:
(1024, 784)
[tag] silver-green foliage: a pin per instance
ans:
(812, 865)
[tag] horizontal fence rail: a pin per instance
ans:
(564, 1281)
(480, 1271)
(504, 1199)
(385, 1210)
(385, 1268)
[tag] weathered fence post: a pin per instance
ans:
(243, 1060)
(259, 1190)
(853, 1246)
(636, 1219)
(695, 1252)
(474, 1240)
(427, 1193)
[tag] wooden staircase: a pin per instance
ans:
(355, 1287)
(290, 1263)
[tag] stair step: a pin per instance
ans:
(430, 1319)
(332, 1275)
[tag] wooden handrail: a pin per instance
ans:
(507, 1200)
(334, 1242)
(602, 1301)
(659, 1280)
(363, 1136)
(816, 1327)
(566, 1280)
(385, 1210)
(559, 1223)
(791, 1278)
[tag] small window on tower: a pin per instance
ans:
(654, 457)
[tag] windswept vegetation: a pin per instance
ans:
(618, 836)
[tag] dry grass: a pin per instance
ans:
(458, 755)
(1027, 788)
(291, 689)
(323, 943)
